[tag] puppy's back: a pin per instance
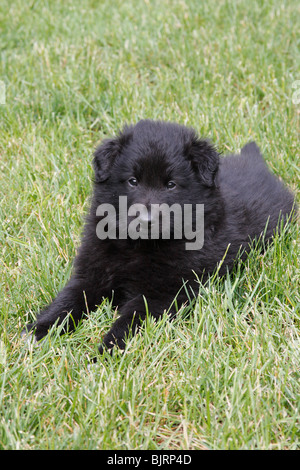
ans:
(252, 192)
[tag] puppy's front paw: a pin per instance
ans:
(35, 331)
(28, 330)
(101, 350)
(110, 341)
(105, 348)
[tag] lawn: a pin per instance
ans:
(226, 376)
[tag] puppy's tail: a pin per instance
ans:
(251, 150)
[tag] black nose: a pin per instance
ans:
(145, 220)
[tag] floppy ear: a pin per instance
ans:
(205, 161)
(104, 158)
(107, 152)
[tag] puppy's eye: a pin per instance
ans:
(132, 182)
(171, 185)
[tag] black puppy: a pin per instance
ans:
(150, 164)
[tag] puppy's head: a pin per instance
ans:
(155, 162)
(153, 152)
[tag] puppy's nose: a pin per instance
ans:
(145, 220)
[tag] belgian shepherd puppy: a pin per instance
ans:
(153, 166)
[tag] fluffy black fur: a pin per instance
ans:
(240, 197)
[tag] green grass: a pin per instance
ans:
(226, 376)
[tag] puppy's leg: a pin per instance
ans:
(73, 301)
(132, 314)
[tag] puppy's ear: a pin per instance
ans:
(108, 151)
(104, 158)
(205, 161)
